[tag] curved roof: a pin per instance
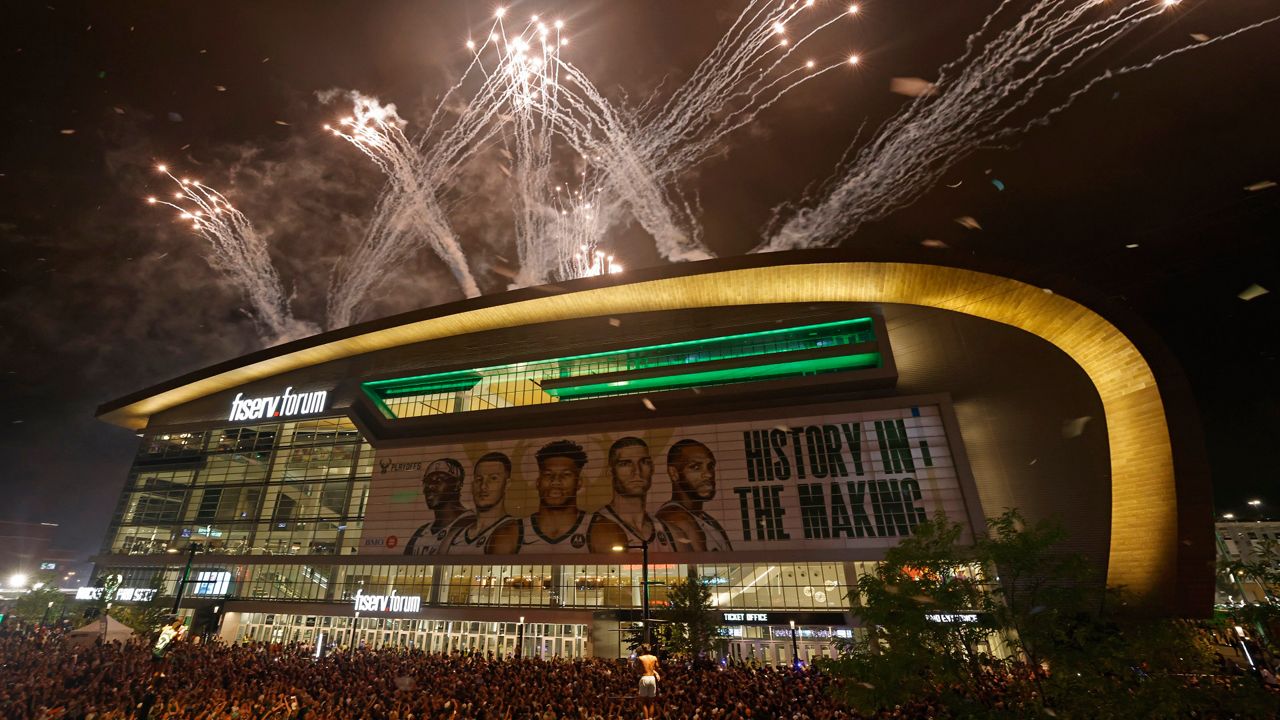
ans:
(1144, 554)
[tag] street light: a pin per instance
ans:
(795, 646)
(644, 583)
(45, 620)
(192, 549)
(1228, 516)
(17, 581)
(1256, 504)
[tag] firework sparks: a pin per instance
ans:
(239, 253)
(1009, 63)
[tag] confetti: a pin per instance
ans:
(119, 110)
(1199, 37)
(281, 122)
(969, 222)
(220, 88)
(102, 74)
(911, 86)
(68, 131)
(648, 404)
(999, 185)
(1261, 185)
(615, 322)
(202, 52)
(958, 184)
(1075, 426)
(931, 243)
(175, 117)
(1132, 245)
(1253, 291)
(266, 59)
(1046, 291)
(184, 147)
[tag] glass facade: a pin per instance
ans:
(773, 586)
(284, 488)
(785, 352)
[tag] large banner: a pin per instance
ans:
(848, 480)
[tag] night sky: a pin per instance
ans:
(101, 295)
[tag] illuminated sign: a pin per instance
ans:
(48, 566)
(952, 617)
(818, 633)
(286, 404)
(742, 618)
(121, 594)
(387, 603)
(211, 582)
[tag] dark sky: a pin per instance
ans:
(101, 295)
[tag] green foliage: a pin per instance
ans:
(904, 654)
(45, 604)
(143, 618)
(1074, 650)
(690, 618)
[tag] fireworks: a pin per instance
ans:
(520, 92)
(982, 99)
(239, 253)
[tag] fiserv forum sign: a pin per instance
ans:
(841, 480)
(286, 404)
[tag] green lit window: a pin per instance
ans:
(772, 354)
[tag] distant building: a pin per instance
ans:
(27, 548)
(1240, 540)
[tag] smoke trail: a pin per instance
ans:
(977, 95)
(240, 255)
(408, 214)
(644, 153)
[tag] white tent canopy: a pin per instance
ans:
(116, 630)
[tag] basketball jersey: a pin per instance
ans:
(717, 538)
(466, 539)
(576, 535)
(661, 540)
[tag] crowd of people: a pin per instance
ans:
(43, 677)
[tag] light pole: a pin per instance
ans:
(795, 646)
(192, 549)
(1257, 507)
(520, 638)
(644, 584)
(45, 620)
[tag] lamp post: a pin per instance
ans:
(45, 620)
(192, 549)
(644, 583)
(1257, 508)
(795, 646)
(520, 638)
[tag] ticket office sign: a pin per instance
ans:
(842, 480)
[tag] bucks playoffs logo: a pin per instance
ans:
(388, 466)
(578, 540)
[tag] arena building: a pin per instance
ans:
(491, 474)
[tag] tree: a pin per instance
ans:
(928, 619)
(43, 604)
(145, 617)
(1075, 648)
(690, 618)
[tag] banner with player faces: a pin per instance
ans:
(843, 480)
